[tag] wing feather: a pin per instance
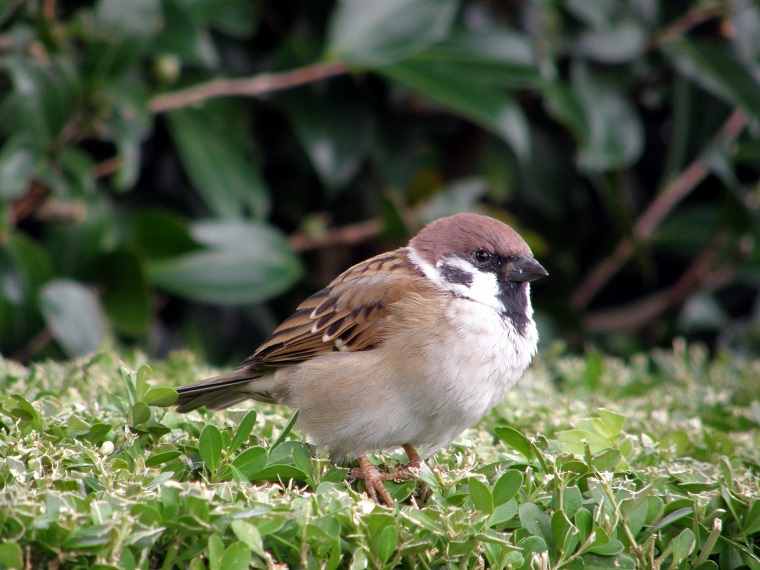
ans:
(346, 315)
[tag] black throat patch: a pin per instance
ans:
(514, 302)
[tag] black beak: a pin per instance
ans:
(522, 269)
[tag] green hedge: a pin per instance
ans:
(164, 160)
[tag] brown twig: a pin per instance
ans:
(673, 193)
(250, 86)
(700, 275)
(350, 235)
(685, 23)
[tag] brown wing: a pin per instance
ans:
(347, 315)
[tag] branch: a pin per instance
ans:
(657, 211)
(700, 275)
(351, 234)
(685, 23)
(254, 86)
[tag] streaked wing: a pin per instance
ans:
(347, 315)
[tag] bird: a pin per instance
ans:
(406, 349)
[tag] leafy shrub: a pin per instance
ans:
(154, 155)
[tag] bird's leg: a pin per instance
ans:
(415, 461)
(373, 480)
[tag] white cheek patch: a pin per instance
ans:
(483, 287)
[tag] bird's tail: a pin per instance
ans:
(223, 391)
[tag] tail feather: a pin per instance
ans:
(223, 391)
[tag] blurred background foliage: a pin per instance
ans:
(183, 172)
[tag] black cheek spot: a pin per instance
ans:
(454, 274)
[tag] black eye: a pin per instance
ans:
(482, 256)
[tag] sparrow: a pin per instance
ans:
(406, 349)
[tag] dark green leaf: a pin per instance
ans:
(43, 96)
(603, 120)
(140, 18)
(19, 158)
(245, 263)
(367, 33)
(335, 130)
(225, 178)
(492, 108)
(162, 234)
(73, 314)
(184, 37)
(716, 68)
(125, 291)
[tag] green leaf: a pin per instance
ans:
(566, 536)
(42, 97)
(683, 545)
(225, 178)
(236, 557)
(572, 441)
(140, 18)
(73, 315)
(284, 433)
(140, 413)
(334, 128)
(11, 555)
(491, 108)
(604, 121)
(162, 397)
(538, 522)
(612, 547)
(215, 552)
(367, 33)
(19, 159)
(156, 459)
(480, 495)
(161, 234)
(613, 422)
(514, 439)
(125, 295)
(718, 70)
(386, 545)
(250, 535)
(251, 461)
(210, 445)
(504, 512)
(245, 263)
(244, 429)
(507, 486)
